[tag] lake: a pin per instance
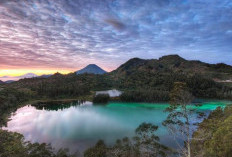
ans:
(79, 125)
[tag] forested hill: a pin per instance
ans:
(174, 63)
(142, 80)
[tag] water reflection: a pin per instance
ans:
(58, 105)
(112, 93)
(78, 126)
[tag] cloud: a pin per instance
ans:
(115, 23)
(73, 33)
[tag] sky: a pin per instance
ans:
(46, 36)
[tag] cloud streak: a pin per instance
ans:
(73, 33)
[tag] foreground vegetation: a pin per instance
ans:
(10, 100)
(14, 145)
(144, 144)
(213, 138)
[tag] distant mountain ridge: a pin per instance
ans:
(10, 79)
(91, 69)
(45, 76)
(28, 75)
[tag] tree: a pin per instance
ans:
(14, 145)
(99, 150)
(148, 143)
(180, 111)
(145, 144)
(216, 130)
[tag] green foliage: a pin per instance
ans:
(215, 135)
(147, 143)
(10, 99)
(101, 98)
(161, 74)
(99, 150)
(180, 95)
(144, 96)
(63, 86)
(178, 121)
(13, 145)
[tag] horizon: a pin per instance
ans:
(18, 77)
(45, 37)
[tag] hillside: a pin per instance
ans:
(91, 69)
(147, 80)
(203, 79)
(174, 63)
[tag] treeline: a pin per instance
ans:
(200, 86)
(10, 99)
(138, 86)
(154, 85)
(143, 95)
(63, 86)
(101, 98)
(213, 136)
(206, 88)
(56, 105)
(57, 86)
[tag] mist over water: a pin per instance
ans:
(81, 126)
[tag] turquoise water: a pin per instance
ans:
(78, 127)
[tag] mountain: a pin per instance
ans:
(176, 64)
(28, 75)
(16, 78)
(148, 80)
(45, 76)
(203, 79)
(9, 81)
(91, 69)
(1, 82)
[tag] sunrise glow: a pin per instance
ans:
(44, 37)
(18, 72)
